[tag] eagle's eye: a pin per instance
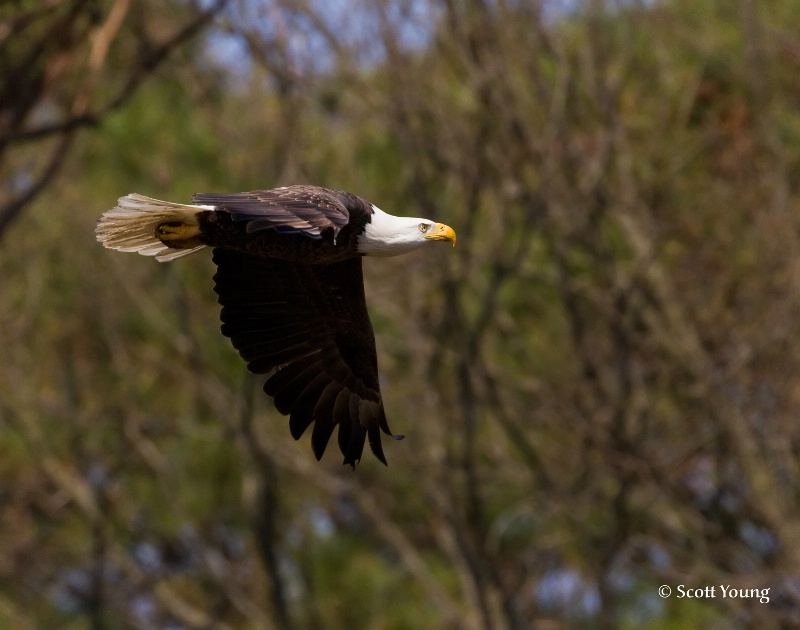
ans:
(423, 227)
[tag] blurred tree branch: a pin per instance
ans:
(42, 62)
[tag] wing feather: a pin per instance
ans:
(308, 210)
(289, 371)
(324, 418)
(302, 410)
(352, 435)
(307, 327)
(287, 397)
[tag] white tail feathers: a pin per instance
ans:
(131, 226)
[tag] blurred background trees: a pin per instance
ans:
(598, 385)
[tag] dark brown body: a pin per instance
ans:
(219, 229)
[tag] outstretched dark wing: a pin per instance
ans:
(307, 327)
(309, 210)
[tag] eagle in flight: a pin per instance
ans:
(290, 283)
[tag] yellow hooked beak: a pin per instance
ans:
(442, 232)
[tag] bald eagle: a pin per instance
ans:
(290, 283)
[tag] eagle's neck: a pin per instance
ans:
(388, 235)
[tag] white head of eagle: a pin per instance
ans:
(290, 283)
(388, 235)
